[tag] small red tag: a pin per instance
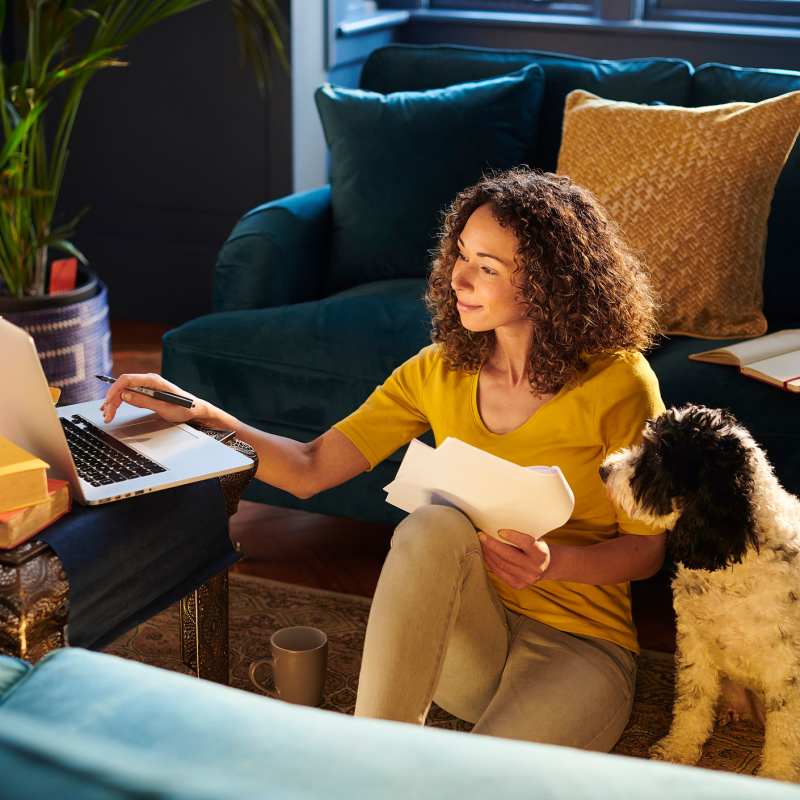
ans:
(63, 275)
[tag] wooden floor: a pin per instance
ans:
(337, 553)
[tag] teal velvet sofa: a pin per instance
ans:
(295, 343)
(89, 726)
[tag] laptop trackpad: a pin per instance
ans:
(156, 438)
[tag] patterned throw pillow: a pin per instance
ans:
(690, 189)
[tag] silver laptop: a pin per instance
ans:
(137, 452)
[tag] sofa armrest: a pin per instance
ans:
(88, 724)
(277, 254)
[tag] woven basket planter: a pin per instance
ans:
(72, 336)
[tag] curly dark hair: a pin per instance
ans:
(586, 292)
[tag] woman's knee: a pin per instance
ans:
(564, 690)
(436, 528)
(598, 731)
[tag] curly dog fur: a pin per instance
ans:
(734, 533)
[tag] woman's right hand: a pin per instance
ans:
(119, 393)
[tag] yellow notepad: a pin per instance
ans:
(23, 477)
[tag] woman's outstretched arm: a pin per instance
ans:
(300, 468)
(304, 469)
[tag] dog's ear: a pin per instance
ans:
(717, 525)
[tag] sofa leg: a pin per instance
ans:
(204, 629)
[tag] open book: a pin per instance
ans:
(494, 493)
(774, 358)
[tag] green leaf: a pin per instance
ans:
(18, 194)
(257, 22)
(67, 247)
(19, 132)
(67, 229)
(12, 113)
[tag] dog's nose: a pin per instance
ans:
(604, 472)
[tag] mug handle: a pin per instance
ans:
(252, 674)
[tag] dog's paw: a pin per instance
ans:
(667, 749)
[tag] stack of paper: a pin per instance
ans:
(494, 493)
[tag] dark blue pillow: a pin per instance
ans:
(398, 160)
(404, 67)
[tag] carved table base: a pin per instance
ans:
(204, 629)
(34, 599)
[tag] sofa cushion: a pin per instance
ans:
(91, 725)
(46, 760)
(690, 189)
(639, 80)
(398, 160)
(720, 83)
(12, 670)
(769, 414)
(303, 366)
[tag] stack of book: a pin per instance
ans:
(29, 500)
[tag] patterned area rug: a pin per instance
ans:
(258, 607)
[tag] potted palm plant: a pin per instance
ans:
(66, 43)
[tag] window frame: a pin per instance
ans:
(769, 13)
(742, 13)
(561, 8)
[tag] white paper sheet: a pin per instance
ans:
(494, 493)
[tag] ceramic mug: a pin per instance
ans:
(299, 663)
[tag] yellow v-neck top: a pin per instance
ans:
(602, 412)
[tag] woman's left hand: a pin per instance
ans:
(521, 563)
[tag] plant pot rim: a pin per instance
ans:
(87, 287)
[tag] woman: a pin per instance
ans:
(539, 318)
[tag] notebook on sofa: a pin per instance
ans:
(774, 358)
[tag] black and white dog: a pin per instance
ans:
(734, 533)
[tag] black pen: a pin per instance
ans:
(156, 394)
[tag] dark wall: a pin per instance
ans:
(6, 37)
(169, 152)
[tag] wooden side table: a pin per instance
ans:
(34, 598)
(34, 601)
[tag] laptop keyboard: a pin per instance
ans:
(101, 459)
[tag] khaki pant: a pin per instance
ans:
(438, 632)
